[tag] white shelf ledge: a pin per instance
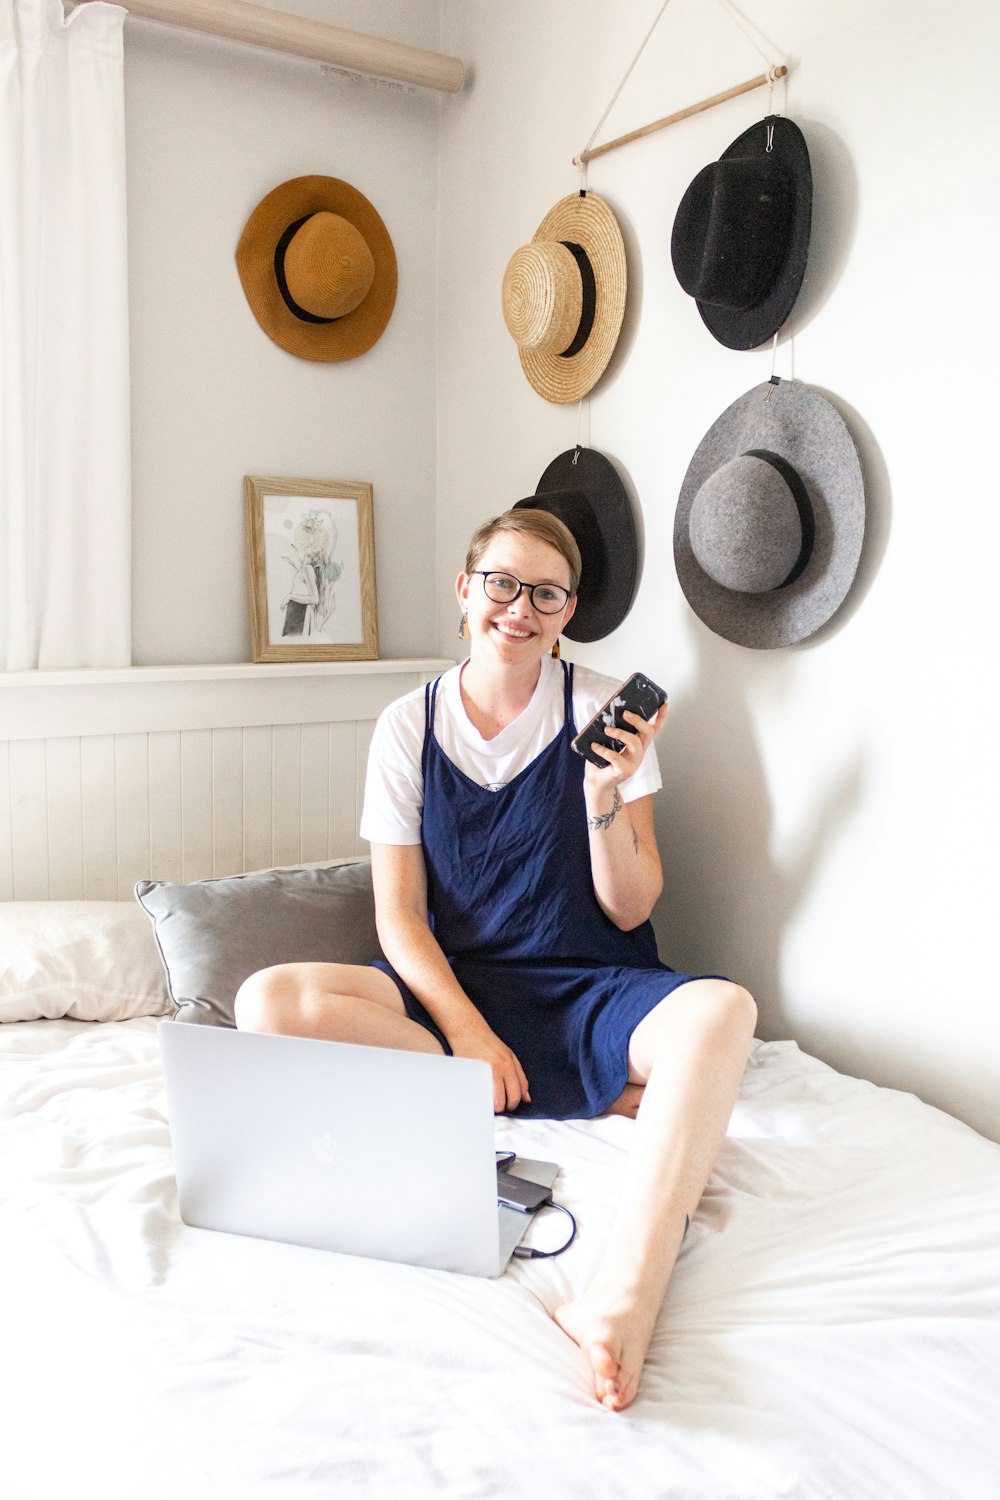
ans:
(222, 672)
(42, 705)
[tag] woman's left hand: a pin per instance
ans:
(624, 761)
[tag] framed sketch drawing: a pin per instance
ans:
(311, 554)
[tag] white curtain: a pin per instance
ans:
(65, 511)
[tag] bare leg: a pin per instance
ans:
(690, 1053)
(336, 1002)
(628, 1101)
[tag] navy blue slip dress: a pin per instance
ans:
(512, 904)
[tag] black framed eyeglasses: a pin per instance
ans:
(504, 588)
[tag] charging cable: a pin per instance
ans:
(528, 1252)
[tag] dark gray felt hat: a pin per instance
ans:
(741, 234)
(584, 490)
(771, 517)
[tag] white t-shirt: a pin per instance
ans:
(394, 787)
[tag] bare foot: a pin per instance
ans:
(613, 1333)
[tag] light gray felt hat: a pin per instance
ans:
(771, 517)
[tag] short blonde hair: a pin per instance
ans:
(537, 523)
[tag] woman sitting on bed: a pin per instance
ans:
(513, 886)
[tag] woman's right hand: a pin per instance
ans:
(510, 1086)
(399, 875)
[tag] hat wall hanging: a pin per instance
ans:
(771, 517)
(741, 234)
(318, 269)
(564, 294)
(563, 297)
(583, 489)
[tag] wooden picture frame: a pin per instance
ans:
(311, 560)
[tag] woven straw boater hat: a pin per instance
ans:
(318, 268)
(771, 517)
(564, 297)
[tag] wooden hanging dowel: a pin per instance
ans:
(351, 50)
(682, 114)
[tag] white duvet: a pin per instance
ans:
(832, 1328)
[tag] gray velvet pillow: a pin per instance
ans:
(213, 934)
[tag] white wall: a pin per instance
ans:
(831, 814)
(211, 127)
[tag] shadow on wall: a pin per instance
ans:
(878, 516)
(728, 900)
(834, 223)
(633, 302)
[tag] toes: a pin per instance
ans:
(615, 1386)
(607, 1373)
(615, 1383)
(608, 1393)
(617, 1395)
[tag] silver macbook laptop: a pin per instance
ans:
(358, 1149)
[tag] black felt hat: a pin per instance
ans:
(583, 489)
(741, 234)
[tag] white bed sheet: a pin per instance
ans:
(832, 1328)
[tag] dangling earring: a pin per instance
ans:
(463, 627)
(555, 650)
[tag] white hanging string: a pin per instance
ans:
(583, 411)
(772, 75)
(614, 96)
(774, 380)
(745, 26)
(748, 30)
(776, 69)
(774, 72)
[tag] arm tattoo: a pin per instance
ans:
(605, 820)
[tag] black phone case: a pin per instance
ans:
(638, 695)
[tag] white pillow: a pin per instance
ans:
(88, 960)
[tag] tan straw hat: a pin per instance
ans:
(318, 268)
(564, 297)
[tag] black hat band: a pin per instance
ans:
(802, 504)
(279, 273)
(588, 286)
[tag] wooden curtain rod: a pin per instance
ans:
(352, 50)
(682, 114)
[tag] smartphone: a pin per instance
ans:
(638, 695)
(505, 1158)
(516, 1192)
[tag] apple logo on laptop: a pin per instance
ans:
(324, 1149)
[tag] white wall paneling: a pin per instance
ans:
(109, 778)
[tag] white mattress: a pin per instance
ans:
(832, 1328)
